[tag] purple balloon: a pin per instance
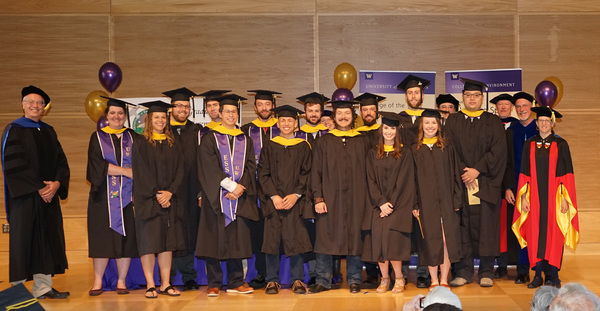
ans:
(546, 93)
(342, 94)
(110, 76)
(102, 122)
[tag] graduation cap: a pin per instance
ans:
(157, 106)
(287, 111)
(211, 95)
(500, 97)
(343, 104)
(35, 90)
(313, 98)
(264, 94)
(390, 118)
(431, 113)
(412, 81)
(446, 98)
(546, 112)
(523, 95)
(182, 94)
(327, 113)
(474, 85)
(113, 102)
(367, 99)
(231, 99)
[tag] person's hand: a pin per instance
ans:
(509, 196)
(469, 175)
(524, 203)
(199, 202)
(164, 198)
(564, 206)
(238, 191)
(47, 193)
(278, 202)
(128, 172)
(321, 208)
(416, 213)
(386, 209)
(472, 185)
(289, 201)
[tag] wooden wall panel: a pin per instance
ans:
(208, 52)
(60, 54)
(54, 6)
(436, 43)
(415, 7)
(208, 6)
(558, 6)
(565, 46)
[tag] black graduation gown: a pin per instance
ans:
(37, 240)
(409, 129)
(187, 137)
(440, 192)
(338, 175)
(284, 170)
(214, 239)
(508, 182)
(372, 138)
(480, 143)
(389, 180)
(158, 168)
(103, 241)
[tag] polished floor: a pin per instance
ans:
(504, 295)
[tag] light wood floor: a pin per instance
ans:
(505, 295)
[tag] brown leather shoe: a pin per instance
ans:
(298, 287)
(272, 288)
(212, 292)
(242, 289)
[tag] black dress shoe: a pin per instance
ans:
(317, 288)
(190, 285)
(354, 288)
(371, 282)
(500, 272)
(258, 282)
(54, 294)
(552, 282)
(312, 281)
(522, 279)
(537, 282)
(423, 282)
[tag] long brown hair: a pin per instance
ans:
(397, 144)
(148, 131)
(440, 139)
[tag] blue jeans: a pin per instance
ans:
(325, 266)
(296, 268)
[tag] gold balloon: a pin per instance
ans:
(344, 76)
(559, 87)
(95, 105)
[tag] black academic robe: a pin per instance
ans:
(480, 143)
(157, 168)
(508, 241)
(284, 170)
(215, 240)
(338, 175)
(371, 137)
(389, 180)
(31, 156)
(409, 129)
(440, 193)
(103, 241)
(187, 137)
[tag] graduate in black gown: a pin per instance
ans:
(390, 173)
(186, 136)
(439, 188)
(314, 104)
(283, 172)
(227, 171)
(110, 215)
(413, 88)
(211, 107)
(369, 109)
(158, 172)
(36, 177)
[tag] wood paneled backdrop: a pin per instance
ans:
(292, 47)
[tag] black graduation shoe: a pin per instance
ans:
(317, 288)
(354, 288)
(522, 279)
(54, 294)
(537, 282)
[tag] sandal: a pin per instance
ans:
(167, 290)
(382, 288)
(152, 292)
(399, 285)
(122, 291)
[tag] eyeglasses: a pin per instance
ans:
(31, 102)
(180, 106)
(472, 95)
(544, 121)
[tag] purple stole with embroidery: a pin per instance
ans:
(233, 165)
(118, 188)
(255, 133)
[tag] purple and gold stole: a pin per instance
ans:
(233, 165)
(118, 188)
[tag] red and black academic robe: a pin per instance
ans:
(338, 175)
(508, 241)
(284, 169)
(215, 240)
(157, 168)
(31, 154)
(440, 193)
(187, 136)
(103, 241)
(389, 180)
(546, 179)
